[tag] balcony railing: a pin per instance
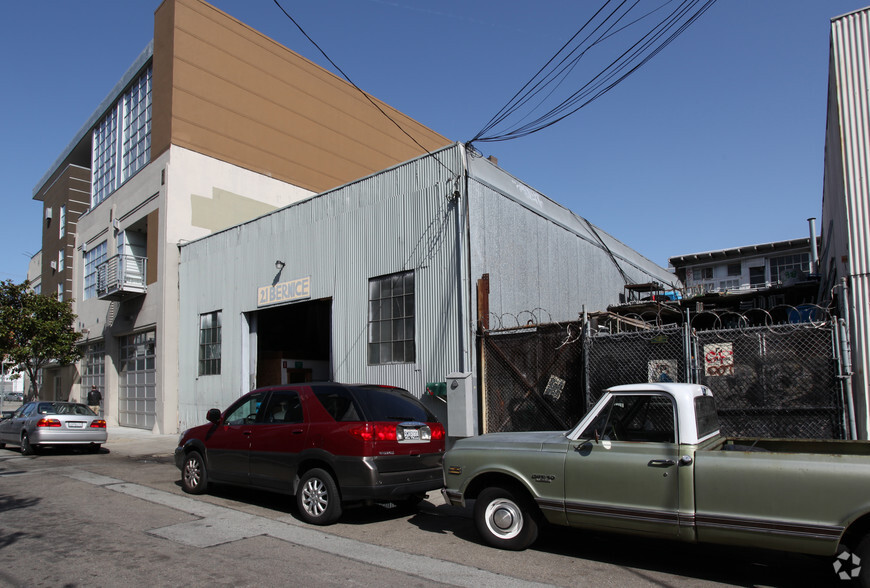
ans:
(120, 277)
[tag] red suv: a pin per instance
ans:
(326, 443)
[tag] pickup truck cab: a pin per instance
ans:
(648, 460)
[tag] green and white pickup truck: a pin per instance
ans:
(648, 459)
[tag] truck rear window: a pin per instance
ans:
(706, 418)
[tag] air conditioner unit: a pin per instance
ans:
(53, 265)
(48, 213)
(116, 224)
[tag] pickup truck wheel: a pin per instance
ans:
(317, 498)
(504, 519)
(862, 551)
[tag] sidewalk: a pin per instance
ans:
(132, 441)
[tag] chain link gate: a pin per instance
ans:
(532, 378)
(769, 381)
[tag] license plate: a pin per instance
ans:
(412, 434)
(75, 425)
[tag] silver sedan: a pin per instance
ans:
(52, 423)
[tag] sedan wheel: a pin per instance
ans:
(194, 478)
(317, 498)
(505, 520)
(26, 447)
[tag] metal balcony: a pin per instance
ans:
(121, 277)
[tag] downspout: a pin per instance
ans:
(846, 359)
(465, 362)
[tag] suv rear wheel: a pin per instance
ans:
(317, 498)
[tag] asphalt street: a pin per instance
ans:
(69, 518)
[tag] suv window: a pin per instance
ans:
(245, 413)
(284, 407)
(338, 402)
(391, 404)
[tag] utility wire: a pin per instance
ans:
(351, 82)
(612, 18)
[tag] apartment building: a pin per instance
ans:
(213, 124)
(745, 268)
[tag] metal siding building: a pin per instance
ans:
(540, 255)
(846, 197)
(418, 216)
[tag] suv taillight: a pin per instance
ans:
(437, 431)
(48, 423)
(375, 432)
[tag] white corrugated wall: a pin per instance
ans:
(847, 191)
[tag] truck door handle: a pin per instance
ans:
(661, 463)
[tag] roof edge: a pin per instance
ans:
(137, 65)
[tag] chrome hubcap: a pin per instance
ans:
(504, 518)
(314, 497)
(192, 473)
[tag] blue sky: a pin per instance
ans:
(717, 142)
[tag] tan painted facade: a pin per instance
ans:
(227, 91)
(240, 126)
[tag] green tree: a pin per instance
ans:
(35, 330)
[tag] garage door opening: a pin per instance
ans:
(293, 343)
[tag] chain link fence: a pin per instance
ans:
(773, 380)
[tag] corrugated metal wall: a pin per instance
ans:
(846, 200)
(397, 220)
(540, 255)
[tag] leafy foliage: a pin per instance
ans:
(35, 330)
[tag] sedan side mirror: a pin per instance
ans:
(213, 416)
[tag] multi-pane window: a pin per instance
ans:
(93, 369)
(61, 258)
(391, 319)
(210, 343)
(93, 258)
(104, 158)
(62, 221)
(735, 269)
(119, 150)
(60, 292)
(703, 273)
(789, 267)
(136, 109)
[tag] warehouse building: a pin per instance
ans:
(383, 280)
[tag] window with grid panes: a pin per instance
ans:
(789, 266)
(210, 343)
(93, 257)
(121, 141)
(391, 319)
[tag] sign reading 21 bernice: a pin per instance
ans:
(298, 289)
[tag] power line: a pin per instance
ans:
(351, 82)
(606, 23)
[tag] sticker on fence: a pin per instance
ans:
(719, 359)
(554, 387)
(662, 370)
